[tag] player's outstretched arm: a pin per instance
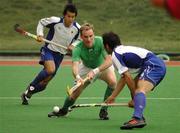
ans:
(120, 85)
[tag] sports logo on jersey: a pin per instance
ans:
(91, 50)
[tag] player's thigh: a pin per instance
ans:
(47, 59)
(109, 76)
(144, 86)
(49, 66)
(83, 70)
(76, 93)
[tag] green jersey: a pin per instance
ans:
(91, 57)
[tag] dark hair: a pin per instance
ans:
(71, 8)
(111, 39)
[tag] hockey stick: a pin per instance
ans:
(98, 105)
(23, 32)
(70, 90)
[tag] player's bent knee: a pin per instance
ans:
(140, 90)
(51, 71)
(112, 82)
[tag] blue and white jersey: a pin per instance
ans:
(58, 33)
(129, 58)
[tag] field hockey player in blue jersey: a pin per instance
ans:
(62, 30)
(150, 72)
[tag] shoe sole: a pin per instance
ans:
(54, 115)
(129, 128)
(106, 118)
(140, 126)
(51, 115)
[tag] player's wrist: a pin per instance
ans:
(96, 70)
(78, 77)
(39, 38)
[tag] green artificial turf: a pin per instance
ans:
(162, 112)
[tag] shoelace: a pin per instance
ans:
(133, 121)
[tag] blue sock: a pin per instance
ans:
(139, 105)
(38, 88)
(34, 89)
(41, 76)
(35, 85)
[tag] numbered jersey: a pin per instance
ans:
(129, 58)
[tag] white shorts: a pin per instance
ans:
(83, 71)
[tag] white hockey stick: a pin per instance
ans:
(23, 32)
(98, 105)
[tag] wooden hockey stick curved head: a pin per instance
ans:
(18, 29)
(16, 26)
(68, 91)
(26, 33)
(72, 89)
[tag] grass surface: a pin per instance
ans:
(137, 22)
(162, 111)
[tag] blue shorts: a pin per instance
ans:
(153, 70)
(47, 54)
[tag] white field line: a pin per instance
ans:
(89, 98)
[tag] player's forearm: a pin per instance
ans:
(75, 42)
(75, 69)
(130, 83)
(107, 63)
(40, 29)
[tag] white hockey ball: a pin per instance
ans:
(56, 109)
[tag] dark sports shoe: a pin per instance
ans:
(134, 123)
(137, 119)
(58, 114)
(24, 99)
(103, 114)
